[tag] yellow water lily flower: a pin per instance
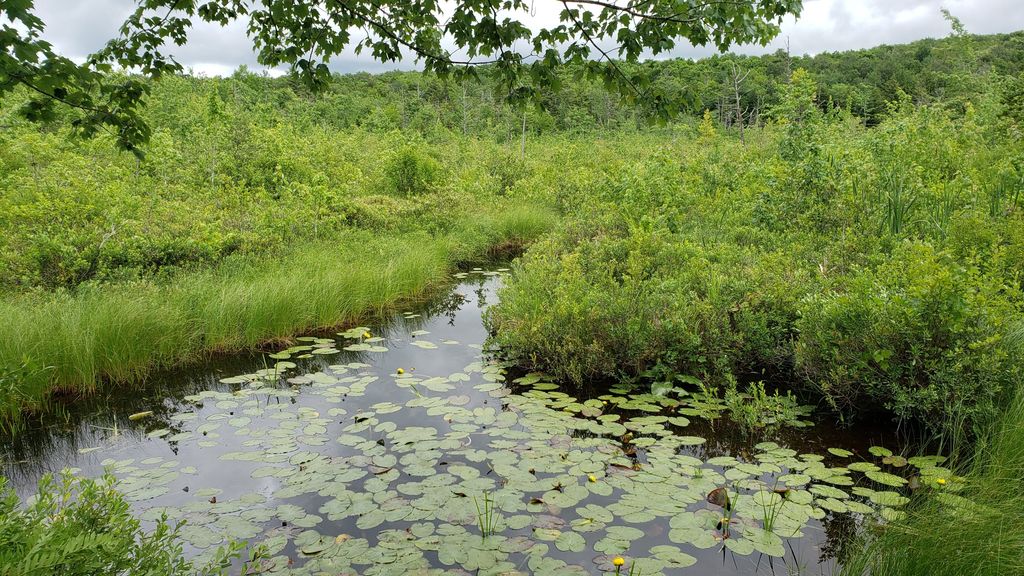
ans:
(592, 478)
(940, 481)
(619, 561)
(400, 371)
(367, 335)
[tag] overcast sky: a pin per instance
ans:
(78, 27)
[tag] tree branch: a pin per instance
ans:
(579, 26)
(633, 12)
(385, 31)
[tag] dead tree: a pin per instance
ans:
(738, 114)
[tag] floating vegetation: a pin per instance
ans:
(356, 466)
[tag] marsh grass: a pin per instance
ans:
(977, 531)
(486, 515)
(898, 199)
(68, 344)
(771, 504)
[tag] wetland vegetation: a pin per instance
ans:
(400, 325)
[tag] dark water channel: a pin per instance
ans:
(344, 466)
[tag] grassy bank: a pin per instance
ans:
(71, 343)
(976, 531)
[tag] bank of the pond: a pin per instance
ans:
(979, 530)
(67, 344)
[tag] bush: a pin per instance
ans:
(507, 170)
(82, 527)
(602, 299)
(410, 170)
(919, 336)
(590, 307)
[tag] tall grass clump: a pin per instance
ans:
(514, 228)
(898, 200)
(976, 531)
(70, 343)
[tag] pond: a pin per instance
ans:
(407, 447)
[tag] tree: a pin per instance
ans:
(959, 30)
(798, 111)
(594, 35)
(736, 80)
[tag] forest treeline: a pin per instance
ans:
(950, 70)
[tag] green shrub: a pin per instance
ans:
(78, 526)
(411, 170)
(919, 335)
(602, 299)
(82, 527)
(507, 170)
(589, 309)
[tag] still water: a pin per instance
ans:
(405, 446)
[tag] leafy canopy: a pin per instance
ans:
(450, 39)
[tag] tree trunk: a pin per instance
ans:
(522, 144)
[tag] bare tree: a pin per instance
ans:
(789, 61)
(738, 114)
(522, 145)
(465, 108)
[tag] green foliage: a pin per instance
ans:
(102, 101)
(878, 269)
(685, 248)
(411, 171)
(74, 214)
(253, 181)
(121, 332)
(799, 112)
(82, 527)
(601, 299)
(975, 530)
(1012, 99)
(508, 170)
(756, 409)
(134, 265)
(919, 335)
(586, 307)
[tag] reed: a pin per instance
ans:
(486, 515)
